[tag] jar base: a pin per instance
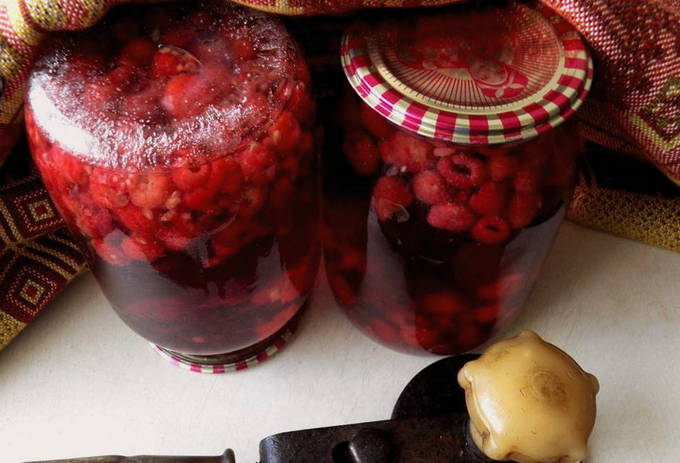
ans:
(233, 361)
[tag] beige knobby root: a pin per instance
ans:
(529, 402)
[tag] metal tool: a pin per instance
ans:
(430, 422)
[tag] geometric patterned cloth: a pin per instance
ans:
(38, 257)
(634, 108)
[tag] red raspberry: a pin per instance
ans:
(188, 178)
(407, 151)
(444, 303)
(251, 201)
(98, 94)
(226, 176)
(72, 168)
(528, 179)
(301, 102)
(391, 197)
(462, 170)
(138, 248)
(342, 291)
(561, 170)
(172, 238)
(362, 153)
(279, 291)
(149, 190)
(503, 167)
(108, 188)
(461, 196)
(165, 63)
(452, 217)
(186, 95)
(143, 106)
(199, 199)
(121, 77)
(487, 313)
(431, 188)
(523, 209)
(137, 221)
(94, 221)
(491, 230)
(109, 252)
(284, 134)
(505, 287)
(277, 322)
(490, 199)
(138, 52)
(375, 123)
(256, 159)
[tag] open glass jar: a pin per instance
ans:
(177, 141)
(455, 169)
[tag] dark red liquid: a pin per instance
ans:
(194, 182)
(432, 247)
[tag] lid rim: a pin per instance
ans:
(544, 109)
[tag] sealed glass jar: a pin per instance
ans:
(177, 141)
(455, 167)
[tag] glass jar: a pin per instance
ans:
(454, 171)
(178, 142)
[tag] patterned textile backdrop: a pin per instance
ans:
(635, 108)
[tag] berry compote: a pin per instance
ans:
(443, 197)
(178, 142)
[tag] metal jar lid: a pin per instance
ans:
(471, 76)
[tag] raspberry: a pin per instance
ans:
(138, 248)
(255, 159)
(251, 201)
(121, 77)
(138, 52)
(443, 303)
(503, 167)
(374, 122)
(391, 197)
(490, 199)
(186, 95)
(361, 153)
(527, 179)
(142, 106)
(136, 221)
(165, 63)
(284, 134)
(491, 230)
(452, 217)
(301, 103)
(199, 199)
(172, 238)
(188, 178)
(94, 221)
(72, 168)
(487, 314)
(277, 322)
(97, 95)
(505, 287)
(149, 190)
(108, 188)
(462, 170)
(110, 253)
(227, 176)
(523, 209)
(280, 290)
(431, 188)
(407, 151)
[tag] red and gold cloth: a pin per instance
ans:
(634, 108)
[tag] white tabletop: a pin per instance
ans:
(78, 382)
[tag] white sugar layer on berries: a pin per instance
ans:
(162, 86)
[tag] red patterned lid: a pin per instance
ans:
(471, 76)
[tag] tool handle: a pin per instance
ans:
(226, 457)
